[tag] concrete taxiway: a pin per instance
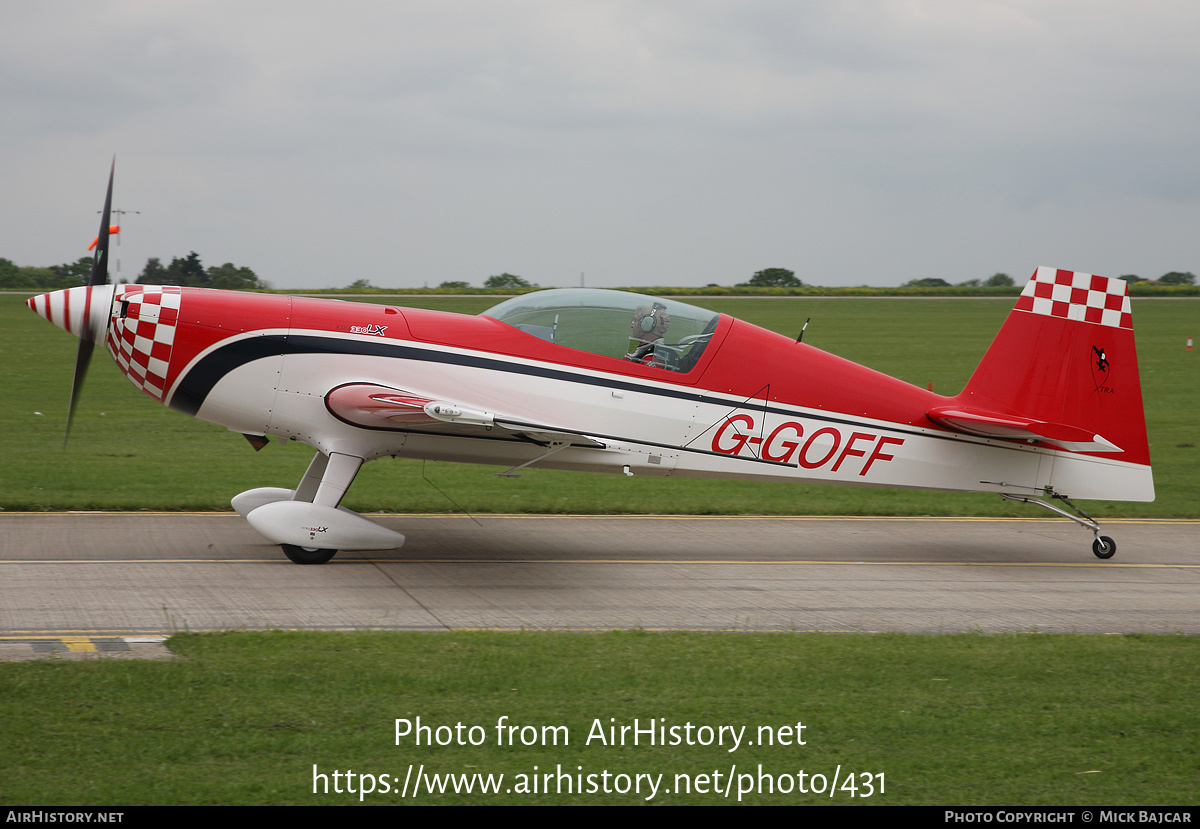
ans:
(103, 582)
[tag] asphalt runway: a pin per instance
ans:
(82, 583)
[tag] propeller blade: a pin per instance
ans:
(82, 358)
(98, 276)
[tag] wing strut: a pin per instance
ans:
(553, 448)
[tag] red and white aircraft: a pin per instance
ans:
(607, 381)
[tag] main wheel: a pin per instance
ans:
(313, 555)
(1104, 547)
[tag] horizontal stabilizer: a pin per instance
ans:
(994, 425)
(1063, 374)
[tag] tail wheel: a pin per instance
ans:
(314, 555)
(1104, 547)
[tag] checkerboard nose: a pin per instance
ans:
(76, 310)
(142, 334)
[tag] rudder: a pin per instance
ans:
(1062, 372)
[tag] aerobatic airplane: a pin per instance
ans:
(609, 381)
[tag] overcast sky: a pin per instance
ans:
(642, 143)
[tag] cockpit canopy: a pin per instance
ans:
(658, 332)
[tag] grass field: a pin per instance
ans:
(968, 720)
(128, 452)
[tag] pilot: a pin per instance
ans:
(647, 329)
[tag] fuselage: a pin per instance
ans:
(755, 405)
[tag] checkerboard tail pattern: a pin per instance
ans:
(143, 332)
(1083, 297)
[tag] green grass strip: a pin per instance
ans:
(971, 720)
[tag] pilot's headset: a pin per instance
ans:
(650, 320)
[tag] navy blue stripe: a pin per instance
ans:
(195, 386)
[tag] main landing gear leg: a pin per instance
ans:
(1102, 547)
(311, 482)
(325, 482)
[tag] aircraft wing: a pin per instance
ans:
(379, 407)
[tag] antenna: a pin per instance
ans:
(803, 328)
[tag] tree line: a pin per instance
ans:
(768, 278)
(784, 278)
(186, 271)
(503, 281)
(1003, 279)
(190, 272)
(14, 277)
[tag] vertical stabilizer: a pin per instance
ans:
(1062, 372)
